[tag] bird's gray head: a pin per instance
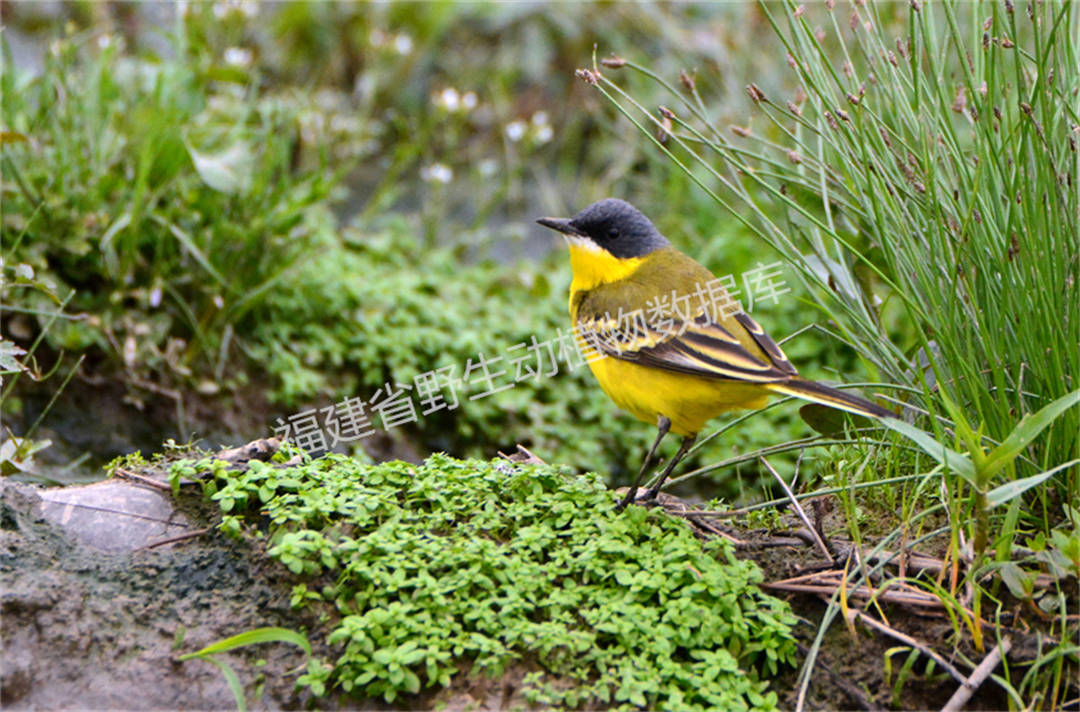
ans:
(613, 225)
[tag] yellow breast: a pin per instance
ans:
(689, 401)
(646, 392)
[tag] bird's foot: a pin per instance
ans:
(650, 496)
(627, 498)
(645, 499)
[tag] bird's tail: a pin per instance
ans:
(818, 393)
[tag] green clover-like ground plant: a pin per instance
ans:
(421, 568)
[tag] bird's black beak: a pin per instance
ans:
(563, 225)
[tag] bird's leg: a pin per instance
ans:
(655, 489)
(662, 423)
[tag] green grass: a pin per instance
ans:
(428, 573)
(167, 203)
(922, 184)
(19, 285)
(919, 203)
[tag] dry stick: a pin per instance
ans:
(707, 526)
(174, 539)
(775, 542)
(119, 513)
(808, 537)
(523, 455)
(826, 586)
(798, 509)
(978, 677)
(852, 614)
(915, 561)
(723, 514)
(141, 479)
(860, 593)
(675, 507)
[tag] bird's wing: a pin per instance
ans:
(699, 345)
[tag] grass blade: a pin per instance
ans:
(960, 464)
(1027, 430)
(252, 637)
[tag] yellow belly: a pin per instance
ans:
(689, 401)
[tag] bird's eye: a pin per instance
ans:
(613, 232)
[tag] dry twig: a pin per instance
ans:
(853, 614)
(174, 539)
(523, 455)
(141, 479)
(825, 583)
(798, 509)
(977, 677)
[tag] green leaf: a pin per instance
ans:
(1016, 579)
(482, 571)
(960, 464)
(190, 246)
(824, 420)
(228, 170)
(1025, 431)
(8, 353)
(1009, 490)
(252, 637)
(412, 682)
(230, 678)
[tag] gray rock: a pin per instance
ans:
(90, 616)
(113, 515)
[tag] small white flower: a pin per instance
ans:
(468, 102)
(247, 8)
(238, 56)
(437, 173)
(403, 44)
(448, 99)
(544, 134)
(515, 130)
(540, 118)
(104, 41)
(131, 350)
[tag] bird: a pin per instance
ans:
(680, 368)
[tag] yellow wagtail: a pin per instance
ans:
(686, 368)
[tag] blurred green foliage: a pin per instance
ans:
(169, 207)
(385, 309)
(190, 193)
